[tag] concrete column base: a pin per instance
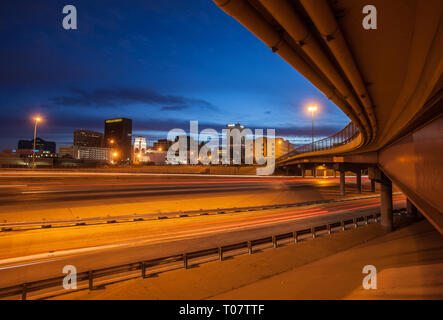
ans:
(411, 210)
(387, 218)
(342, 183)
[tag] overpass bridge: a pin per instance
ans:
(387, 80)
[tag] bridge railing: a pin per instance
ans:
(346, 135)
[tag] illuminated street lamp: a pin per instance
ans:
(37, 120)
(312, 109)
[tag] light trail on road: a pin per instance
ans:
(35, 254)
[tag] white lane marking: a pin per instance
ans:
(28, 264)
(110, 191)
(46, 191)
(135, 241)
(52, 174)
(13, 185)
(178, 236)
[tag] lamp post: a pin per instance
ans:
(37, 120)
(312, 109)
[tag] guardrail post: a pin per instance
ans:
(343, 225)
(24, 291)
(249, 247)
(274, 241)
(328, 227)
(355, 222)
(313, 232)
(143, 268)
(90, 280)
(220, 253)
(295, 236)
(185, 260)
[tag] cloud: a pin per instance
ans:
(175, 108)
(119, 96)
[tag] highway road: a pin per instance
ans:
(42, 253)
(24, 190)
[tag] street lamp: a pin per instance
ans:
(312, 109)
(37, 120)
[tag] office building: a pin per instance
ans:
(140, 145)
(88, 138)
(279, 148)
(118, 136)
(162, 145)
(283, 147)
(48, 147)
(239, 147)
(86, 153)
(66, 152)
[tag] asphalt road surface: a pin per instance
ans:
(39, 254)
(19, 189)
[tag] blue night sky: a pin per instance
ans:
(160, 63)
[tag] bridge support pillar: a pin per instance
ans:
(411, 210)
(387, 217)
(342, 183)
(358, 181)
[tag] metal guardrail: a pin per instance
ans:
(25, 288)
(340, 138)
(46, 224)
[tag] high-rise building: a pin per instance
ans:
(237, 145)
(88, 138)
(140, 145)
(118, 136)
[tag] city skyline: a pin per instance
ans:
(160, 81)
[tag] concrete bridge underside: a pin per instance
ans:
(388, 81)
